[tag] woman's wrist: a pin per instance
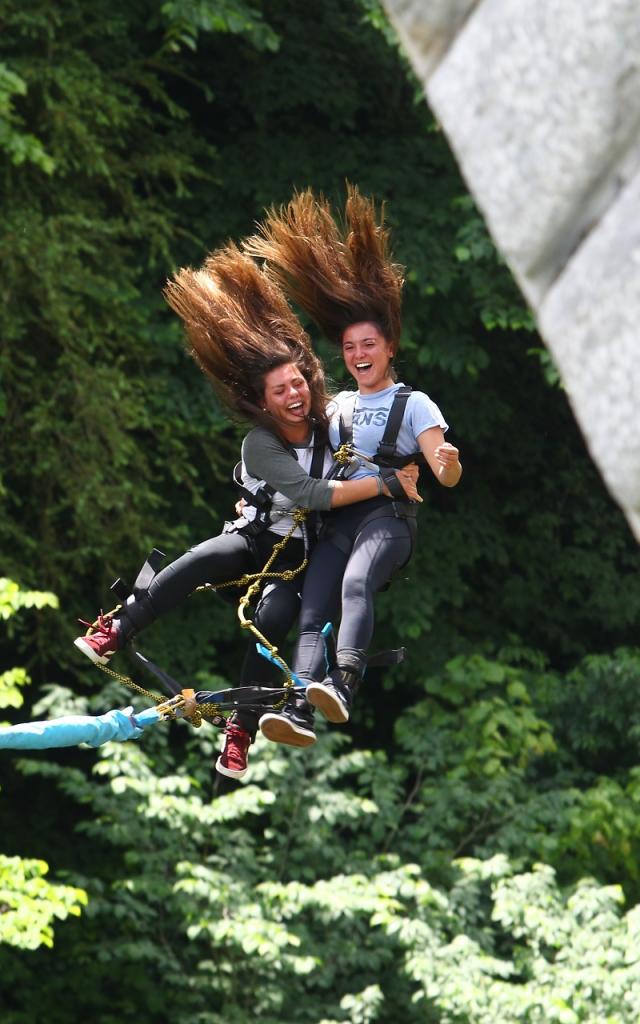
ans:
(450, 475)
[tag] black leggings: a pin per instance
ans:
(380, 547)
(217, 560)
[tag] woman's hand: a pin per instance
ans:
(443, 457)
(408, 478)
(447, 454)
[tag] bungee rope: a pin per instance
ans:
(185, 704)
(121, 725)
(256, 579)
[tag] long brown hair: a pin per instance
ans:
(339, 270)
(239, 326)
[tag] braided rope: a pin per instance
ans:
(169, 709)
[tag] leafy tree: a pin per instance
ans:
(12, 600)
(28, 902)
(324, 891)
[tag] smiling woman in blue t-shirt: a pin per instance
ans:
(342, 275)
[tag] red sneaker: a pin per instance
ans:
(102, 643)
(233, 759)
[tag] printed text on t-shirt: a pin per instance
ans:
(370, 417)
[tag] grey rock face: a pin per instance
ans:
(590, 317)
(428, 29)
(541, 103)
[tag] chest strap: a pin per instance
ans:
(317, 459)
(386, 451)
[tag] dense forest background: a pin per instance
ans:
(467, 850)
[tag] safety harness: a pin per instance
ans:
(262, 499)
(386, 454)
(386, 458)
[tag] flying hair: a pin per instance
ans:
(238, 327)
(339, 270)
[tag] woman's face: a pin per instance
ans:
(286, 395)
(367, 356)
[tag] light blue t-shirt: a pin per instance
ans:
(370, 415)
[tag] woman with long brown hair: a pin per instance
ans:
(341, 273)
(242, 333)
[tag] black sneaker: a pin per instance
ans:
(293, 725)
(334, 695)
(327, 698)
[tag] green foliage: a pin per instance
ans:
(11, 684)
(595, 710)
(29, 903)
(300, 892)
(20, 147)
(12, 600)
(186, 19)
(543, 954)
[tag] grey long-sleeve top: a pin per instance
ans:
(266, 457)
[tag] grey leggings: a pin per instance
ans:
(380, 547)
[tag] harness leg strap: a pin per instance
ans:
(385, 659)
(148, 571)
(137, 611)
(330, 648)
(352, 660)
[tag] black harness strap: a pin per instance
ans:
(395, 510)
(400, 461)
(249, 698)
(316, 471)
(143, 580)
(383, 659)
(317, 459)
(380, 659)
(263, 496)
(387, 446)
(346, 420)
(386, 454)
(393, 484)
